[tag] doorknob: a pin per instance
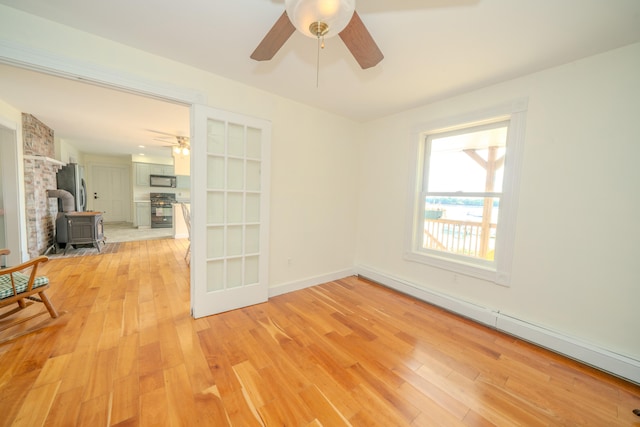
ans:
(95, 195)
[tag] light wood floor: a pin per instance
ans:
(126, 352)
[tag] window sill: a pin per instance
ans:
(487, 273)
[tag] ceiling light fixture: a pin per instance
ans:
(182, 146)
(320, 19)
(332, 15)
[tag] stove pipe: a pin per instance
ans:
(66, 199)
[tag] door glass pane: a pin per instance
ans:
(254, 148)
(251, 270)
(252, 239)
(234, 208)
(234, 241)
(215, 275)
(215, 172)
(235, 176)
(234, 272)
(236, 140)
(215, 207)
(215, 137)
(253, 208)
(215, 242)
(253, 176)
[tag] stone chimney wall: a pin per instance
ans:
(39, 176)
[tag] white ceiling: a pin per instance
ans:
(433, 49)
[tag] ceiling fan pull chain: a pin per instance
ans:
(318, 61)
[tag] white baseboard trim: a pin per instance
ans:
(181, 236)
(616, 364)
(308, 282)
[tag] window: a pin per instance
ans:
(463, 212)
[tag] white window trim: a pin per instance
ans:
(498, 272)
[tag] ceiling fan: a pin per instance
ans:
(181, 145)
(322, 19)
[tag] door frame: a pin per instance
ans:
(53, 63)
(13, 192)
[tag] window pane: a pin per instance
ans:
(215, 172)
(235, 140)
(215, 207)
(461, 225)
(234, 272)
(462, 162)
(253, 143)
(215, 137)
(215, 276)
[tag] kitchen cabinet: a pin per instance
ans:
(143, 214)
(143, 170)
(183, 181)
(161, 169)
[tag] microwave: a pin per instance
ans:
(162, 181)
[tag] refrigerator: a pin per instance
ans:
(71, 179)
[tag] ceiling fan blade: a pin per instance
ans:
(164, 133)
(360, 43)
(275, 39)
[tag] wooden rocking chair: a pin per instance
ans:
(16, 285)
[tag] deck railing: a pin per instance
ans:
(459, 237)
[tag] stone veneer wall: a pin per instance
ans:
(39, 176)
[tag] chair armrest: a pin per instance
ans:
(25, 265)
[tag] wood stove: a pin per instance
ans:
(80, 228)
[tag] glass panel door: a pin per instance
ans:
(232, 182)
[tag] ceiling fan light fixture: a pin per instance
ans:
(334, 14)
(185, 151)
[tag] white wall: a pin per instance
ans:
(313, 203)
(68, 153)
(575, 269)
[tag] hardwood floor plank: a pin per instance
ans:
(127, 356)
(126, 395)
(327, 414)
(37, 405)
(125, 352)
(65, 408)
(53, 370)
(181, 402)
(95, 412)
(154, 408)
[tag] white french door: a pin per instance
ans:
(229, 210)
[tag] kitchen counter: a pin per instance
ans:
(180, 229)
